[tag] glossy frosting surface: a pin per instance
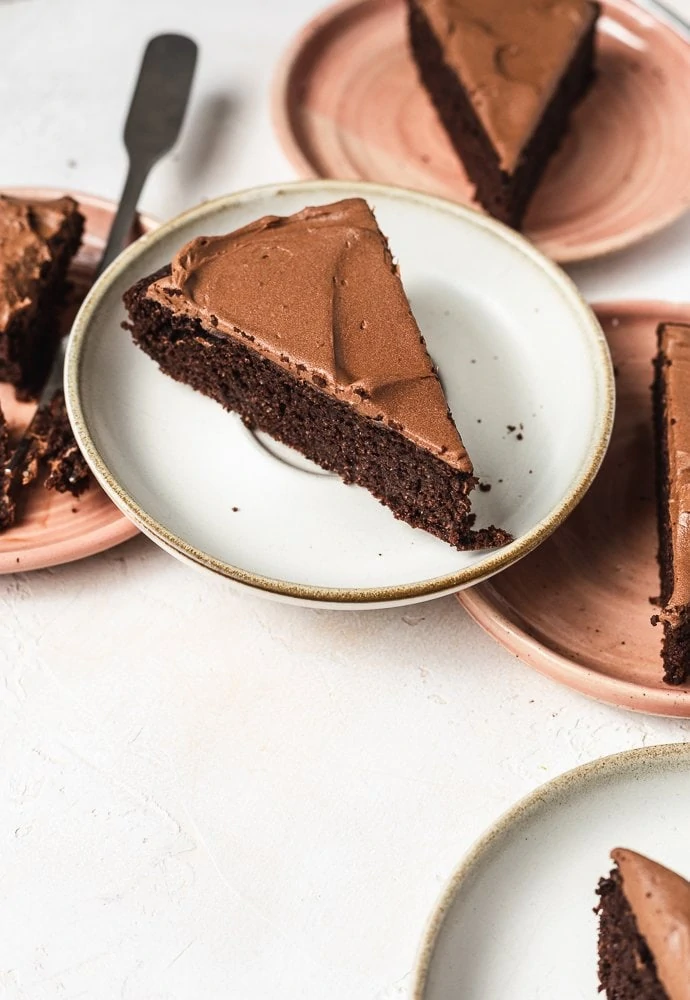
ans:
(510, 56)
(660, 901)
(318, 293)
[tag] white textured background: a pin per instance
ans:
(205, 795)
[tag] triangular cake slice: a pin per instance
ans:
(671, 391)
(302, 326)
(644, 931)
(504, 76)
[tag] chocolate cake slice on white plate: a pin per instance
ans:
(301, 325)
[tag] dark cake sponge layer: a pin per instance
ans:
(504, 195)
(6, 504)
(675, 649)
(53, 444)
(626, 966)
(419, 488)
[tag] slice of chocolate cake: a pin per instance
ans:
(671, 392)
(38, 239)
(504, 76)
(301, 325)
(6, 504)
(644, 931)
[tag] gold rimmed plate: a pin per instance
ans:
(515, 344)
(515, 920)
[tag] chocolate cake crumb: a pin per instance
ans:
(53, 444)
(671, 481)
(484, 487)
(7, 508)
(626, 966)
(38, 240)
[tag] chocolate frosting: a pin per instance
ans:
(510, 56)
(25, 229)
(660, 901)
(675, 346)
(318, 293)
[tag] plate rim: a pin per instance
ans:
(600, 769)
(340, 596)
(669, 702)
(121, 530)
(562, 252)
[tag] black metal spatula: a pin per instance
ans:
(153, 124)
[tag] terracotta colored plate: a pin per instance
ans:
(55, 528)
(578, 608)
(348, 104)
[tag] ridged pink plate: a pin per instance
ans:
(56, 528)
(348, 104)
(578, 608)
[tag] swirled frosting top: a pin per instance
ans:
(510, 56)
(319, 294)
(660, 902)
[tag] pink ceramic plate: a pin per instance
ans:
(578, 608)
(348, 104)
(55, 528)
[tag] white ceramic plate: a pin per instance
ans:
(516, 920)
(515, 345)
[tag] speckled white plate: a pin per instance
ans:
(515, 344)
(516, 920)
